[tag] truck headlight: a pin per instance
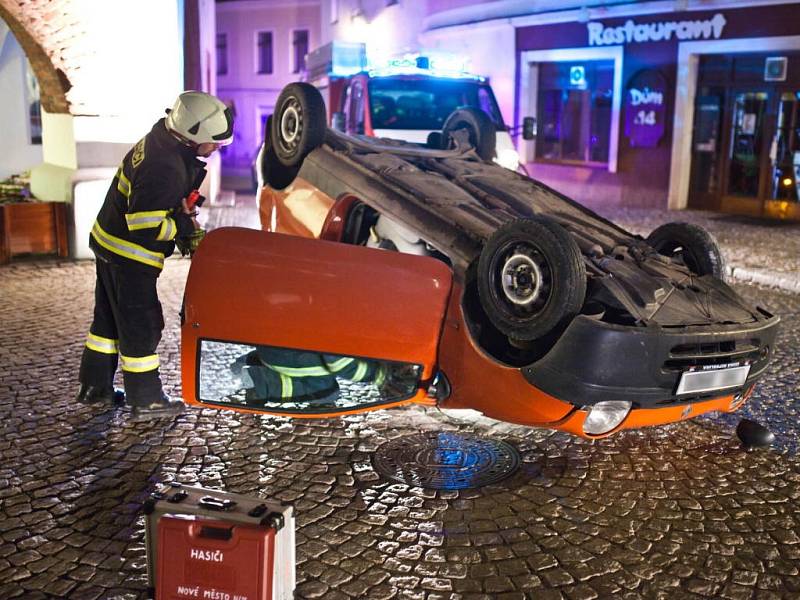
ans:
(508, 158)
(605, 416)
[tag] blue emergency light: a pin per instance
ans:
(440, 65)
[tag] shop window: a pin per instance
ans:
(575, 111)
(300, 49)
(35, 111)
(34, 107)
(222, 54)
(264, 55)
(749, 112)
(785, 182)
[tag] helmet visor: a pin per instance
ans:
(226, 137)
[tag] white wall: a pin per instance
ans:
(490, 48)
(131, 67)
(208, 55)
(387, 31)
(18, 153)
(253, 93)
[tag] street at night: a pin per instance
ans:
(674, 511)
(399, 299)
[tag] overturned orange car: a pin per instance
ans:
(393, 273)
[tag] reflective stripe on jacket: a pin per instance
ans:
(142, 213)
(291, 375)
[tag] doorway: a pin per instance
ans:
(746, 135)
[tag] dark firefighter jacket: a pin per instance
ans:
(292, 375)
(141, 216)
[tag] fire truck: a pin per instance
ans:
(407, 98)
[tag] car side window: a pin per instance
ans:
(355, 109)
(295, 380)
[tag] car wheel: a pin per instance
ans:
(275, 174)
(479, 127)
(690, 244)
(299, 123)
(531, 278)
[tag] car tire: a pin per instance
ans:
(481, 130)
(275, 174)
(531, 278)
(690, 244)
(299, 123)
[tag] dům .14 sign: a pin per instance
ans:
(645, 108)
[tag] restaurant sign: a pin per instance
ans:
(645, 108)
(660, 31)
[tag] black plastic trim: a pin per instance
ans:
(594, 361)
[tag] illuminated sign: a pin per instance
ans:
(645, 107)
(577, 76)
(775, 68)
(661, 31)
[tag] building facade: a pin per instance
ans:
(260, 47)
(689, 103)
(20, 120)
(653, 104)
(101, 87)
(662, 104)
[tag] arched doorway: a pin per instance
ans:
(103, 85)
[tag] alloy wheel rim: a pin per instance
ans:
(291, 125)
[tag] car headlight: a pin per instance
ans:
(605, 416)
(508, 158)
(738, 398)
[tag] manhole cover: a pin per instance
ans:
(446, 461)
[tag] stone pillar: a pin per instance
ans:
(52, 180)
(200, 70)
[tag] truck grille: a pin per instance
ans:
(684, 356)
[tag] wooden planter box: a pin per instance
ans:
(32, 228)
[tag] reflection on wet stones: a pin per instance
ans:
(446, 461)
(676, 512)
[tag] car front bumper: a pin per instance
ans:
(594, 361)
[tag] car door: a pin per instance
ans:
(285, 325)
(355, 106)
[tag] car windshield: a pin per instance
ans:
(425, 103)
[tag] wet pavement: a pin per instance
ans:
(764, 251)
(673, 512)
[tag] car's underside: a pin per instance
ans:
(634, 320)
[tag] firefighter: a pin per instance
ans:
(145, 212)
(280, 375)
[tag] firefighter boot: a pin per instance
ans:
(92, 394)
(163, 407)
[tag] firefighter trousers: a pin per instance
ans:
(126, 328)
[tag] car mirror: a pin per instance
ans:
(528, 128)
(285, 380)
(337, 121)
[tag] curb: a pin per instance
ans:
(768, 278)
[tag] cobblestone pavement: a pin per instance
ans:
(673, 512)
(758, 250)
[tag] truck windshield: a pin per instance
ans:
(425, 103)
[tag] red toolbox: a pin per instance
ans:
(209, 544)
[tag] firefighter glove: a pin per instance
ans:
(188, 244)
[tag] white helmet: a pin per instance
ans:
(200, 118)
